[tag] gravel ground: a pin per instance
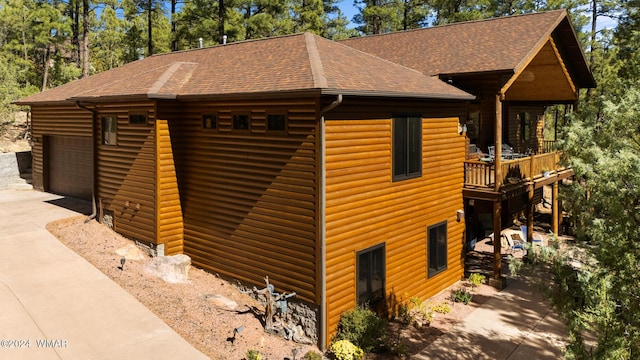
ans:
(191, 308)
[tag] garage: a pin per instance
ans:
(69, 166)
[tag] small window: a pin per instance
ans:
(370, 276)
(525, 126)
(209, 121)
(436, 249)
(240, 122)
(109, 130)
(137, 119)
(276, 122)
(407, 148)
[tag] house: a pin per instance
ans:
(284, 157)
(515, 66)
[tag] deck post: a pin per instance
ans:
(554, 209)
(497, 280)
(530, 211)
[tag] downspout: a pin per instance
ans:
(323, 224)
(94, 137)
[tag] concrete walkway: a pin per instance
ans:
(516, 324)
(55, 305)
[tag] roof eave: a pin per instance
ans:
(394, 94)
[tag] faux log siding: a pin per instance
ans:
(249, 197)
(365, 208)
(66, 120)
(169, 213)
(127, 172)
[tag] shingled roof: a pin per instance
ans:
(495, 45)
(288, 64)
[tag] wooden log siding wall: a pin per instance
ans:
(365, 208)
(67, 120)
(169, 213)
(250, 197)
(127, 172)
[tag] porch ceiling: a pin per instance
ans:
(545, 78)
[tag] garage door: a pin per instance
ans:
(69, 169)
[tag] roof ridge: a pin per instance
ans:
(317, 69)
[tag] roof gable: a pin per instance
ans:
(504, 44)
(294, 63)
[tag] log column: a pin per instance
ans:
(497, 280)
(554, 209)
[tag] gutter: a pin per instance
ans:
(323, 223)
(94, 137)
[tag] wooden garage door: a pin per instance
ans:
(69, 160)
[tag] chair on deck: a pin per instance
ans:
(512, 240)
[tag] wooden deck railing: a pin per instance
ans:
(481, 173)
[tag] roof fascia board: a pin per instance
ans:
(390, 94)
(565, 71)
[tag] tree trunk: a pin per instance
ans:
(45, 68)
(174, 40)
(221, 13)
(149, 28)
(85, 38)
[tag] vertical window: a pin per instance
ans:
(109, 129)
(370, 275)
(525, 125)
(137, 119)
(240, 122)
(276, 122)
(407, 148)
(209, 121)
(436, 249)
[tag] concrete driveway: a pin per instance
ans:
(55, 305)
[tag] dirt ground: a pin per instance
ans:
(192, 310)
(13, 135)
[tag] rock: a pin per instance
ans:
(222, 302)
(172, 269)
(131, 252)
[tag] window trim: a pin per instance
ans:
(408, 142)
(276, 113)
(439, 268)
(233, 121)
(370, 250)
(216, 119)
(115, 132)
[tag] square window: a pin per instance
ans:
(276, 122)
(209, 121)
(137, 119)
(370, 277)
(240, 122)
(407, 148)
(436, 249)
(109, 130)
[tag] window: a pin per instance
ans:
(209, 121)
(276, 122)
(109, 129)
(370, 275)
(137, 119)
(436, 249)
(240, 122)
(525, 125)
(407, 148)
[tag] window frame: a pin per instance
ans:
(438, 268)
(215, 121)
(370, 300)
(277, 113)
(233, 121)
(525, 125)
(114, 132)
(404, 144)
(136, 123)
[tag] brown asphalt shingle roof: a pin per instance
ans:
(494, 45)
(302, 62)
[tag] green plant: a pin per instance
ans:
(253, 355)
(476, 279)
(312, 355)
(345, 350)
(362, 327)
(403, 314)
(442, 308)
(461, 295)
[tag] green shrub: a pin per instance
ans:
(443, 308)
(404, 314)
(345, 350)
(253, 355)
(461, 295)
(476, 279)
(363, 328)
(312, 355)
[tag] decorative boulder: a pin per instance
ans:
(172, 269)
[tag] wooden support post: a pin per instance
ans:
(530, 211)
(497, 243)
(497, 280)
(554, 209)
